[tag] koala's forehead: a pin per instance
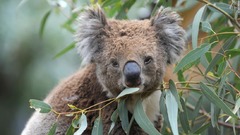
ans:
(127, 36)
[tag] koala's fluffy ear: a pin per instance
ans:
(169, 32)
(90, 31)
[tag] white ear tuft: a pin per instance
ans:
(171, 35)
(90, 31)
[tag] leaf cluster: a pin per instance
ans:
(206, 99)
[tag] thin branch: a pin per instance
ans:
(222, 11)
(191, 107)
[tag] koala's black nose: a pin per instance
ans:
(132, 74)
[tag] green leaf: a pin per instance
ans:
(213, 97)
(122, 14)
(202, 128)
(225, 7)
(70, 21)
(114, 117)
(53, 129)
(82, 122)
(72, 107)
(123, 115)
(214, 115)
(70, 130)
(218, 56)
(174, 92)
(192, 56)
(235, 110)
(197, 108)
(172, 110)
(142, 119)
(195, 26)
(163, 108)
(127, 91)
(109, 2)
(206, 27)
(65, 50)
(232, 53)
(183, 117)
(43, 22)
(40, 106)
(98, 127)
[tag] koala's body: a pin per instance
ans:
(117, 54)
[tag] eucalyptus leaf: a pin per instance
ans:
(82, 122)
(70, 130)
(109, 2)
(195, 26)
(206, 27)
(218, 56)
(174, 92)
(123, 115)
(213, 97)
(163, 109)
(183, 117)
(172, 110)
(40, 106)
(142, 119)
(114, 117)
(127, 91)
(43, 22)
(65, 50)
(98, 127)
(197, 108)
(122, 14)
(235, 110)
(53, 129)
(192, 56)
(202, 128)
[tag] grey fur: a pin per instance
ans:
(88, 37)
(170, 34)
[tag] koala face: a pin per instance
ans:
(130, 53)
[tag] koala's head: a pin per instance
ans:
(130, 53)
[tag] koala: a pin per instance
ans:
(117, 54)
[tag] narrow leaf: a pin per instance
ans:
(192, 56)
(174, 92)
(98, 127)
(127, 92)
(197, 108)
(109, 2)
(163, 108)
(218, 56)
(183, 117)
(123, 114)
(70, 130)
(195, 26)
(236, 108)
(122, 14)
(172, 110)
(65, 50)
(40, 106)
(142, 119)
(53, 129)
(206, 27)
(43, 22)
(213, 97)
(82, 122)
(202, 128)
(114, 117)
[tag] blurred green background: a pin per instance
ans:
(27, 67)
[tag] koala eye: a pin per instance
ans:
(148, 60)
(115, 63)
